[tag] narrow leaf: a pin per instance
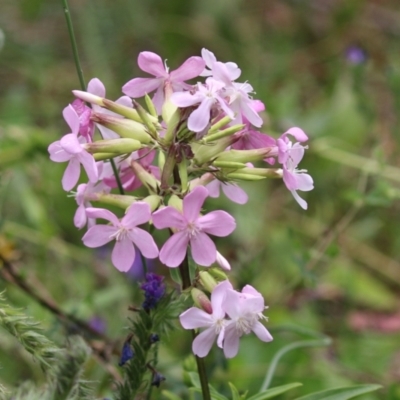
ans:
(343, 393)
(274, 392)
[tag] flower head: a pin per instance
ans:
(192, 229)
(154, 290)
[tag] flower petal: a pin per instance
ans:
(57, 153)
(80, 218)
(302, 203)
(217, 223)
(231, 341)
(297, 133)
(168, 217)
(152, 63)
(90, 166)
(261, 332)
(194, 318)
(304, 182)
(235, 193)
(218, 297)
(144, 242)
(214, 188)
(71, 174)
(200, 117)
(193, 202)
(138, 213)
(191, 68)
(96, 87)
(174, 250)
(222, 262)
(71, 118)
(138, 87)
(123, 255)
(98, 235)
(102, 213)
(203, 342)
(70, 143)
(185, 99)
(203, 249)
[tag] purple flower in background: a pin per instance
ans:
(98, 324)
(154, 289)
(355, 55)
(127, 353)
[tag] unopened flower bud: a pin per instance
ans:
(245, 156)
(118, 200)
(116, 146)
(150, 106)
(206, 152)
(207, 281)
(176, 202)
(126, 128)
(220, 134)
(145, 177)
(169, 109)
(201, 300)
(218, 274)
(146, 118)
(153, 201)
(254, 174)
(219, 124)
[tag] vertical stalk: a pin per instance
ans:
(201, 367)
(80, 74)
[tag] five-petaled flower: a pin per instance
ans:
(192, 228)
(125, 232)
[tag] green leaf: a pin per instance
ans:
(194, 377)
(169, 395)
(235, 392)
(274, 392)
(175, 275)
(343, 393)
(214, 394)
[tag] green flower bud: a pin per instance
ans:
(116, 146)
(153, 201)
(207, 281)
(244, 156)
(201, 300)
(148, 180)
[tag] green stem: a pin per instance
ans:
(79, 71)
(319, 340)
(201, 367)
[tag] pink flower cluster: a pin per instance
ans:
(244, 310)
(188, 142)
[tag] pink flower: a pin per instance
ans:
(192, 228)
(232, 191)
(71, 148)
(245, 309)
(152, 64)
(210, 60)
(125, 232)
(215, 323)
(207, 95)
(85, 192)
(96, 87)
(286, 147)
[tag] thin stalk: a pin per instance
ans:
(201, 367)
(79, 71)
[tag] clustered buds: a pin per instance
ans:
(185, 144)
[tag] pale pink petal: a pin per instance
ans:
(257, 105)
(232, 305)
(228, 111)
(102, 213)
(203, 342)
(123, 255)
(222, 73)
(203, 249)
(214, 188)
(71, 144)
(158, 98)
(304, 182)
(144, 242)
(168, 217)
(99, 235)
(208, 57)
(302, 203)
(107, 133)
(218, 297)
(200, 117)
(234, 71)
(235, 193)
(217, 223)
(71, 118)
(90, 166)
(296, 154)
(80, 218)
(249, 113)
(289, 178)
(193, 202)
(248, 289)
(138, 213)
(185, 99)
(191, 68)
(297, 133)
(174, 250)
(231, 341)
(194, 318)
(261, 332)
(57, 153)
(138, 87)
(71, 174)
(152, 63)
(222, 262)
(96, 87)
(124, 101)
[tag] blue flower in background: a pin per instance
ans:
(154, 289)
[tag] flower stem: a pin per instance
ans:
(201, 367)
(80, 74)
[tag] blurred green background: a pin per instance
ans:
(331, 67)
